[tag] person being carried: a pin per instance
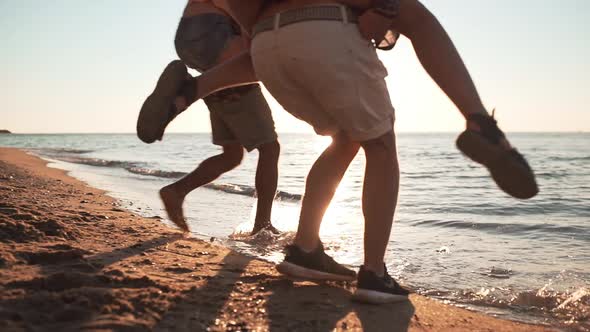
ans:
(240, 117)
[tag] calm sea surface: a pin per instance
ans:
(456, 236)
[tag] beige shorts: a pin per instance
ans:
(326, 74)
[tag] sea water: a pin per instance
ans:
(456, 236)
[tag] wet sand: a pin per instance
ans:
(72, 259)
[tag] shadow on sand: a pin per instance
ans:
(236, 300)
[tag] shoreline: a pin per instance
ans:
(71, 258)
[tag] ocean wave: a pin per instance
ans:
(250, 191)
(155, 172)
(135, 168)
(283, 195)
(96, 162)
(571, 158)
(503, 228)
(575, 206)
(569, 307)
(59, 151)
(230, 188)
(70, 156)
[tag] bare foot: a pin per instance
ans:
(267, 226)
(173, 205)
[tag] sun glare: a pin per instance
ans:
(321, 143)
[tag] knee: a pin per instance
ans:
(233, 155)
(382, 146)
(344, 145)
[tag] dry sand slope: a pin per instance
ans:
(71, 259)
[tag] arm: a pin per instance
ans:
(245, 12)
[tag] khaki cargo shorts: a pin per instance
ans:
(326, 74)
(241, 115)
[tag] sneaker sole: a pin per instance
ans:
(298, 273)
(509, 175)
(374, 297)
(154, 113)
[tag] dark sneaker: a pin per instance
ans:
(508, 168)
(377, 290)
(159, 109)
(314, 266)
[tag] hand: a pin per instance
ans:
(373, 26)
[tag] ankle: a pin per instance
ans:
(473, 118)
(174, 190)
(377, 269)
(472, 125)
(262, 223)
(306, 246)
(476, 111)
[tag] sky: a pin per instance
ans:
(71, 66)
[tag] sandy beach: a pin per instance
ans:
(72, 259)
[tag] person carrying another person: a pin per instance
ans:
(316, 59)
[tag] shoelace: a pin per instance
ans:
(488, 125)
(327, 260)
(389, 281)
(331, 264)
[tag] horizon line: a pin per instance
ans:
(291, 132)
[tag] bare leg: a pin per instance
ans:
(322, 181)
(173, 195)
(234, 72)
(380, 191)
(267, 175)
(438, 55)
(234, 68)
